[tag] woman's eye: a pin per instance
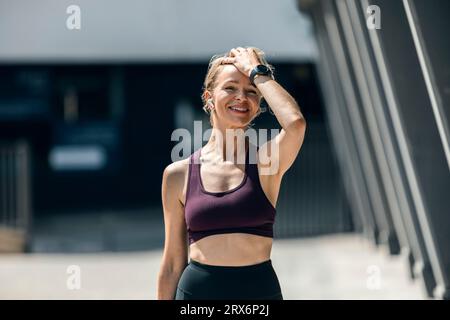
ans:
(252, 92)
(229, 88)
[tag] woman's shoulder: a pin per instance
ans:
(177, 168)
(176, 172)
(175, 177)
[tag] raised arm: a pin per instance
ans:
(175, 255)
(289, 141)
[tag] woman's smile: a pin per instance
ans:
(236, 109)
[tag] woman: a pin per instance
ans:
(226, 209)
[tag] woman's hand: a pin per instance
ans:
(243, 59)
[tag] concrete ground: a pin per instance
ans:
(344, 266)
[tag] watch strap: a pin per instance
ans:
(255, 72)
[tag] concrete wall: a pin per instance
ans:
(151, 30)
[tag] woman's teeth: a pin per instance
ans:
(239, 109)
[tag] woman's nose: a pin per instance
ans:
(241, 95)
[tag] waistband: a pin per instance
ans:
(252, 267)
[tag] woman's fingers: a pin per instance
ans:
(233, 52)
(238, 50)
(228, 60)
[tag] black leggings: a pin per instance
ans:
(207, 282)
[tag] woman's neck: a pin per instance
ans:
(230, 147)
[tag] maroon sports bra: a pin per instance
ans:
(243, 209)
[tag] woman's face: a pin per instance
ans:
(236, 100)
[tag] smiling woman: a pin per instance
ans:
(231, 79)
(218, 212)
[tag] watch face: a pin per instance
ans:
(263, 69)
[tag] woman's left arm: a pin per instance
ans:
(289, 141)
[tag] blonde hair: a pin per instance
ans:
(215, 66)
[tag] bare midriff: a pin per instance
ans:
(231, 249)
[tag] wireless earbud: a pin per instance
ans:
(210, 104)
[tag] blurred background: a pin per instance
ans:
(90, 93)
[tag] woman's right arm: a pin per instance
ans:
(175, 255)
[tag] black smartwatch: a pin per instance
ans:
(260, 69)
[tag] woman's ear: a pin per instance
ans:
(209, 105)
(206, 96)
